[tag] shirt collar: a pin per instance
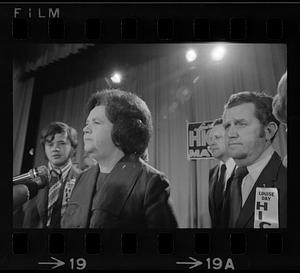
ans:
(256, 168)
(65, 169)
(230, 165)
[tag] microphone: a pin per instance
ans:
(26, 186)
(39, 175)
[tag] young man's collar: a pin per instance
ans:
(63, 169)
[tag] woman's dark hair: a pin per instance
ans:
(130, 116)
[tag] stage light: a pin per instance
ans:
(116, 77)
(191, 55)
(218, 53)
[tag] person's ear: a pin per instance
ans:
(270, 130)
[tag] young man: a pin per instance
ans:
(122, 190)
(59, 143)
(220, 176)
(250, 129)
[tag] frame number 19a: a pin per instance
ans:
(218, 263)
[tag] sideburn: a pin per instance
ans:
(262, 132)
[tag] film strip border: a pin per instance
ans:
(180, 249)
(164, 250)
(22, 243)
(236, 29)
(152, 22)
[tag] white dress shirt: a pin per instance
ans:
(254, 172)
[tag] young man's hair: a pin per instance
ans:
(262, 103)
(130, 116)
(57, 127)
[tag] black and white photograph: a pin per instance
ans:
(150, 136)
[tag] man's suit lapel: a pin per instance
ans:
(266, 179)
(42, 204)
(225, 208)
(213, 181)
(73, 173)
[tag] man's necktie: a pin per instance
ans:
(220, 185)
(55, 185)
(236, 195)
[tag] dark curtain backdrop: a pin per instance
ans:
(176, 92)
(28, 59)
(22, 94)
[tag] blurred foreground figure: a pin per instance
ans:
(280, 105)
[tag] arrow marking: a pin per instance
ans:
(193, 264)
(56, 263)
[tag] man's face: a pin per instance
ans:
(58, 151)
(217, 141)
(97, 135)
(244, 134)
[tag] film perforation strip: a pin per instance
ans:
(201, 29)
(167, 29)
(129, 243)
(238, 243)
(92, 243)
(56, 29)
(129, 28)
(165, 243)
(274, 243)
(202, 243)
(274, 28)
(238, 28)
(93, 28)
(56, 243)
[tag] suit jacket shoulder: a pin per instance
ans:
(158, 207)
(142, 195)
(74, 171)
(213, 170)
(35, 210)
(213, 179)
(274, 175)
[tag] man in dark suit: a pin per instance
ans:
(59, 143)
(258, 196)
(220, 175)
(122, 190)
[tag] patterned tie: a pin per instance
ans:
(55, 185)
(236, 195)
